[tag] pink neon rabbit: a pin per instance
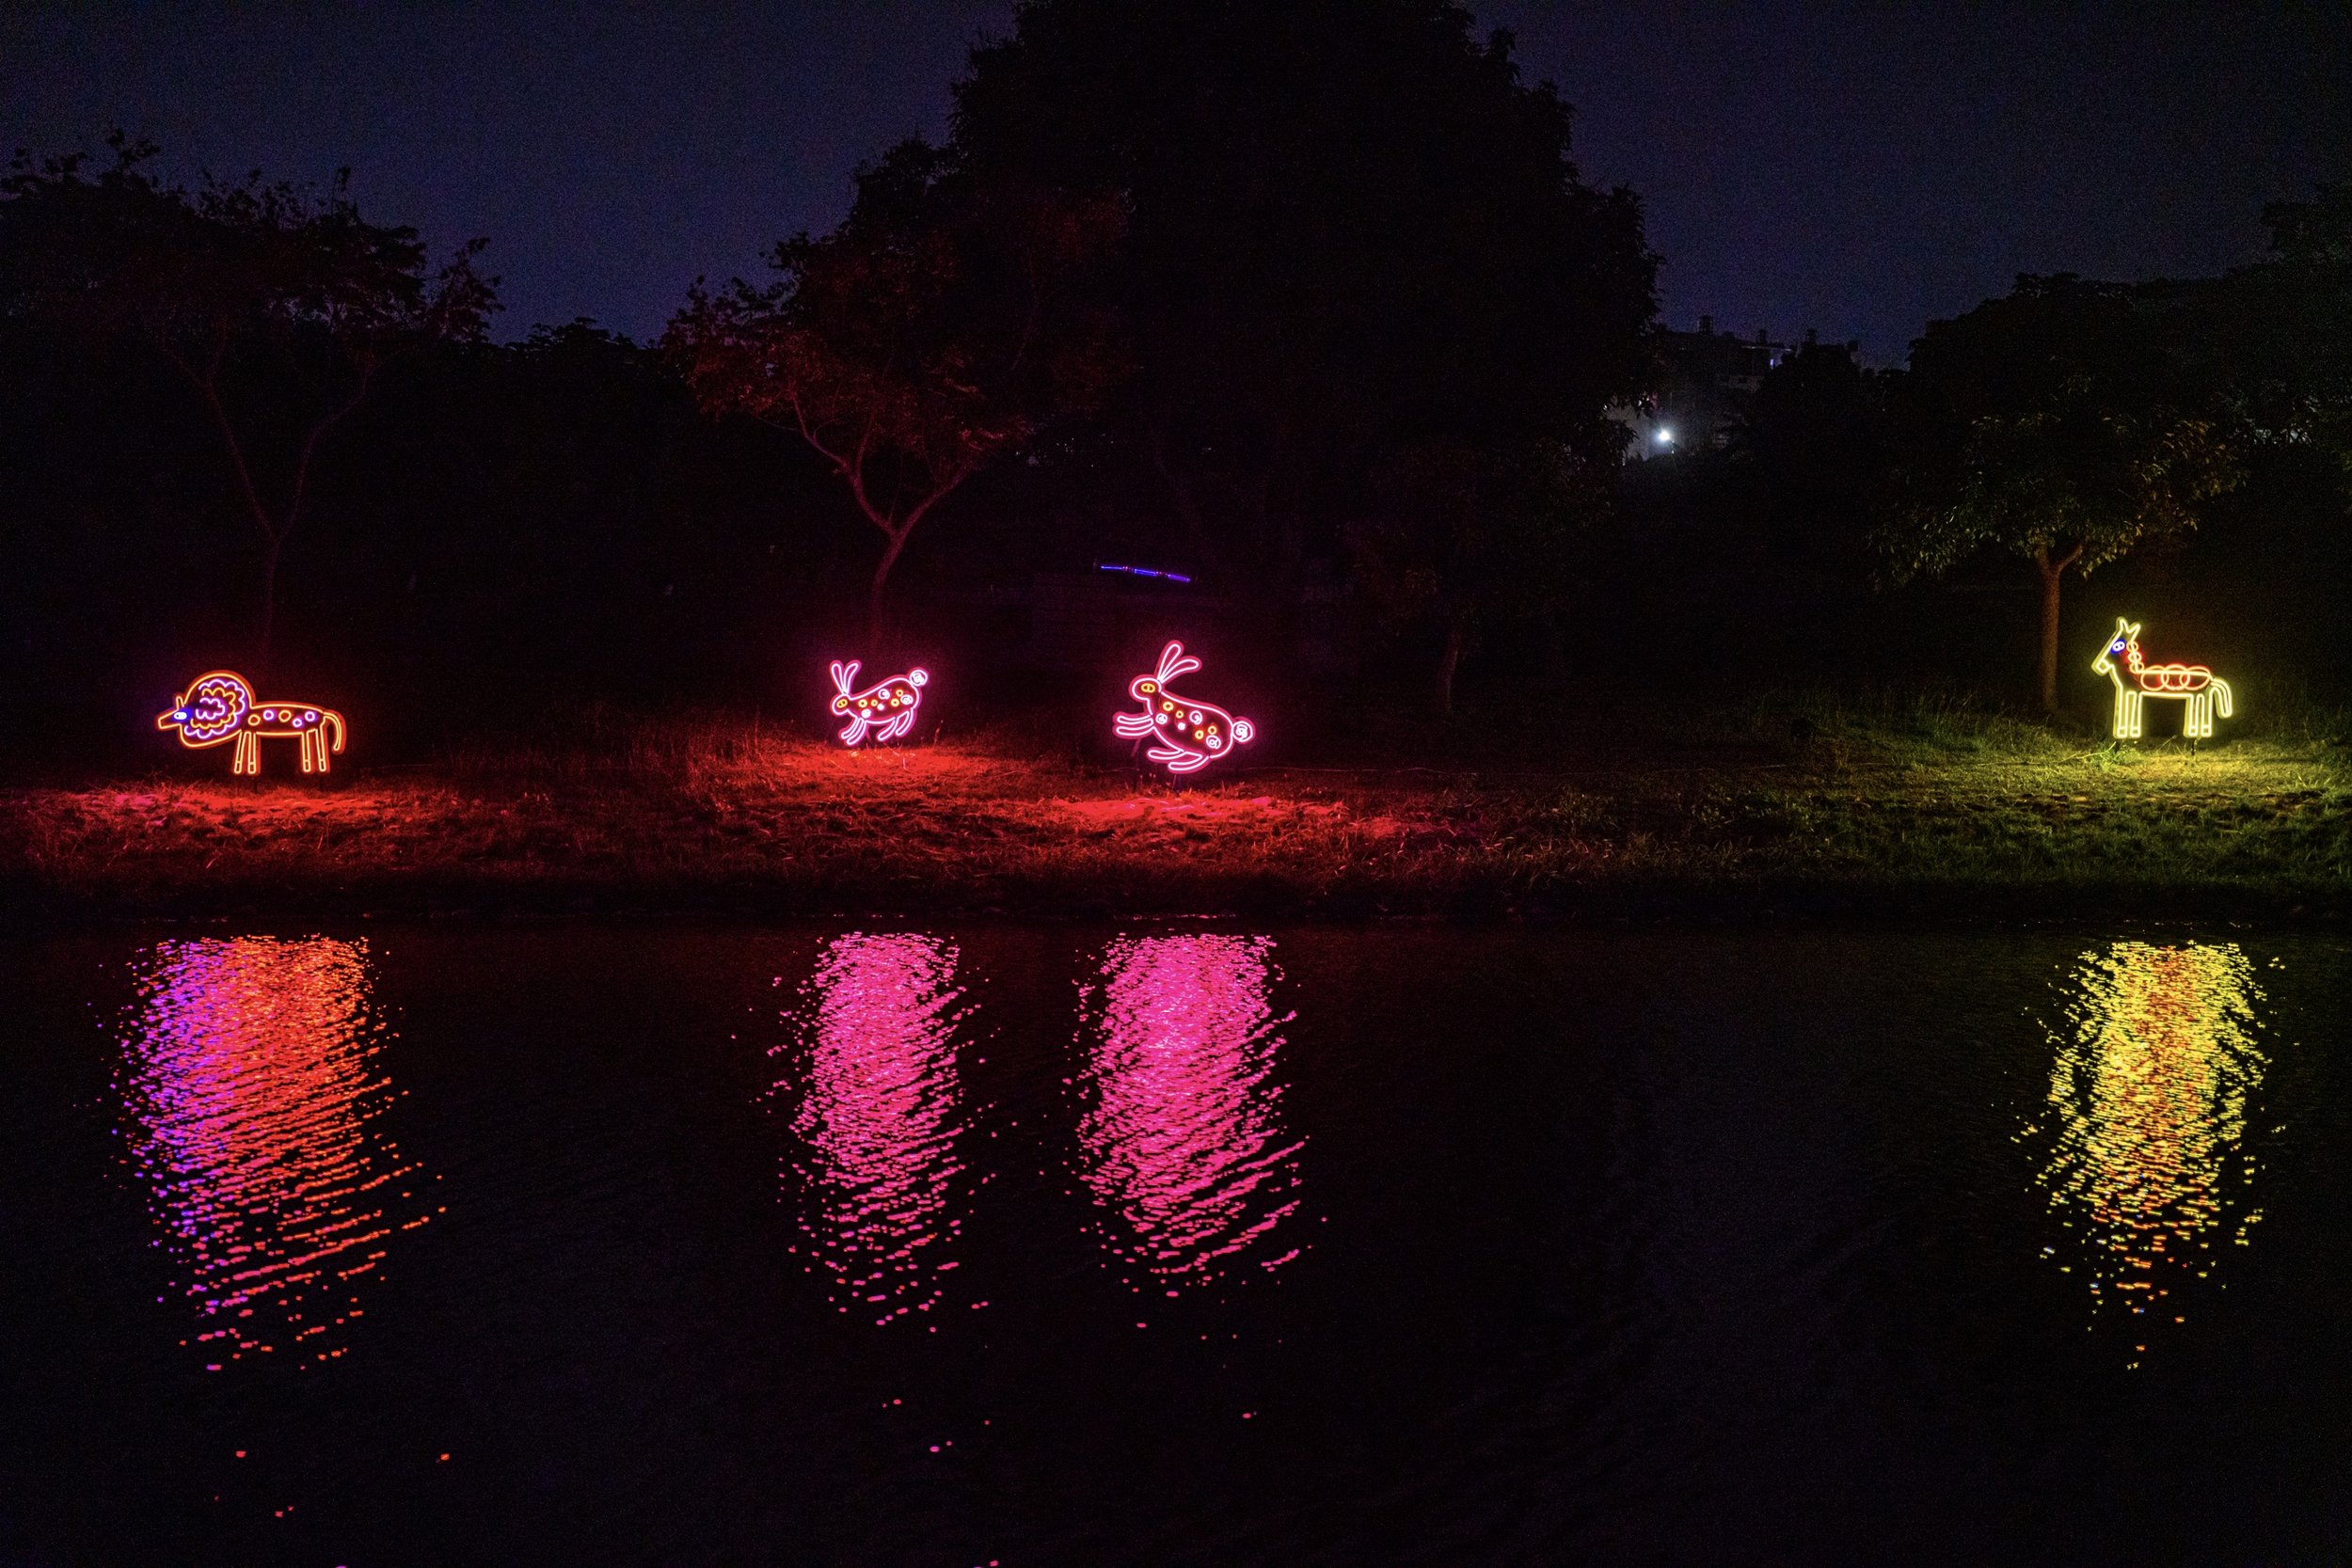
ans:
(1191, 734)
(886, 708)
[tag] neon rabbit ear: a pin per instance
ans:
(844, 675)
(1173, 662)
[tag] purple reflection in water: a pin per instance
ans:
(879, 1111)
(1183, 1139)
(247, 1076)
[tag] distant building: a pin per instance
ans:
(1706, 387)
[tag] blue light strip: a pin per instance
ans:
(1141, 572)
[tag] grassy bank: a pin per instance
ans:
(1801, 807)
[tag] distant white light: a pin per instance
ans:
(1665, 436)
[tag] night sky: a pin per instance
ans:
(1855, 169)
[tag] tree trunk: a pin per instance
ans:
(1456, 633)
(874, 604)
(2051, 574)
(269, 607)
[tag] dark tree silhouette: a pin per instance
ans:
(932, 332)
(2050, 423)
(1354, 231)
(1457, 532)
(2276, 336)
(277, 308)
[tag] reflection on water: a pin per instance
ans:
(878, 1117)
(1183, 1139)
(2148, 1102)
(248, 1083)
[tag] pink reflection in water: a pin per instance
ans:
(247, 1080)
(1183, 1139)
(878, 1114)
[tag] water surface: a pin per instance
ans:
(1186, 1242)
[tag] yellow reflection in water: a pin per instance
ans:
(2148, 1102)
(1184, 1140)
(878, 1112)
(249, 1086)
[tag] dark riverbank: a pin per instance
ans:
(1942, 820)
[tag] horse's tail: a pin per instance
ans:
(2221, 696)
(328, 716)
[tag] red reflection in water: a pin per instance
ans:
(1183, 1138)
(879, 1115)
(247, 1077)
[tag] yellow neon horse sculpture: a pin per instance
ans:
(2203, 693)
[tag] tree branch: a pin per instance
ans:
(311, 442)
(207, 386)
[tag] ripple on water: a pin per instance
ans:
(248, 1084)
(872, 1062)
(2146, 1160)
(1181, 1137)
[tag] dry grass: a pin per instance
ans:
(1919, 807)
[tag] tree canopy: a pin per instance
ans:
(932, 331)
(277, 307)
(1352, 229)
(2053, 424)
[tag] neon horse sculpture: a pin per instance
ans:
(2200, 688)
(1191, 734)
(219, 706)
(885, 709)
